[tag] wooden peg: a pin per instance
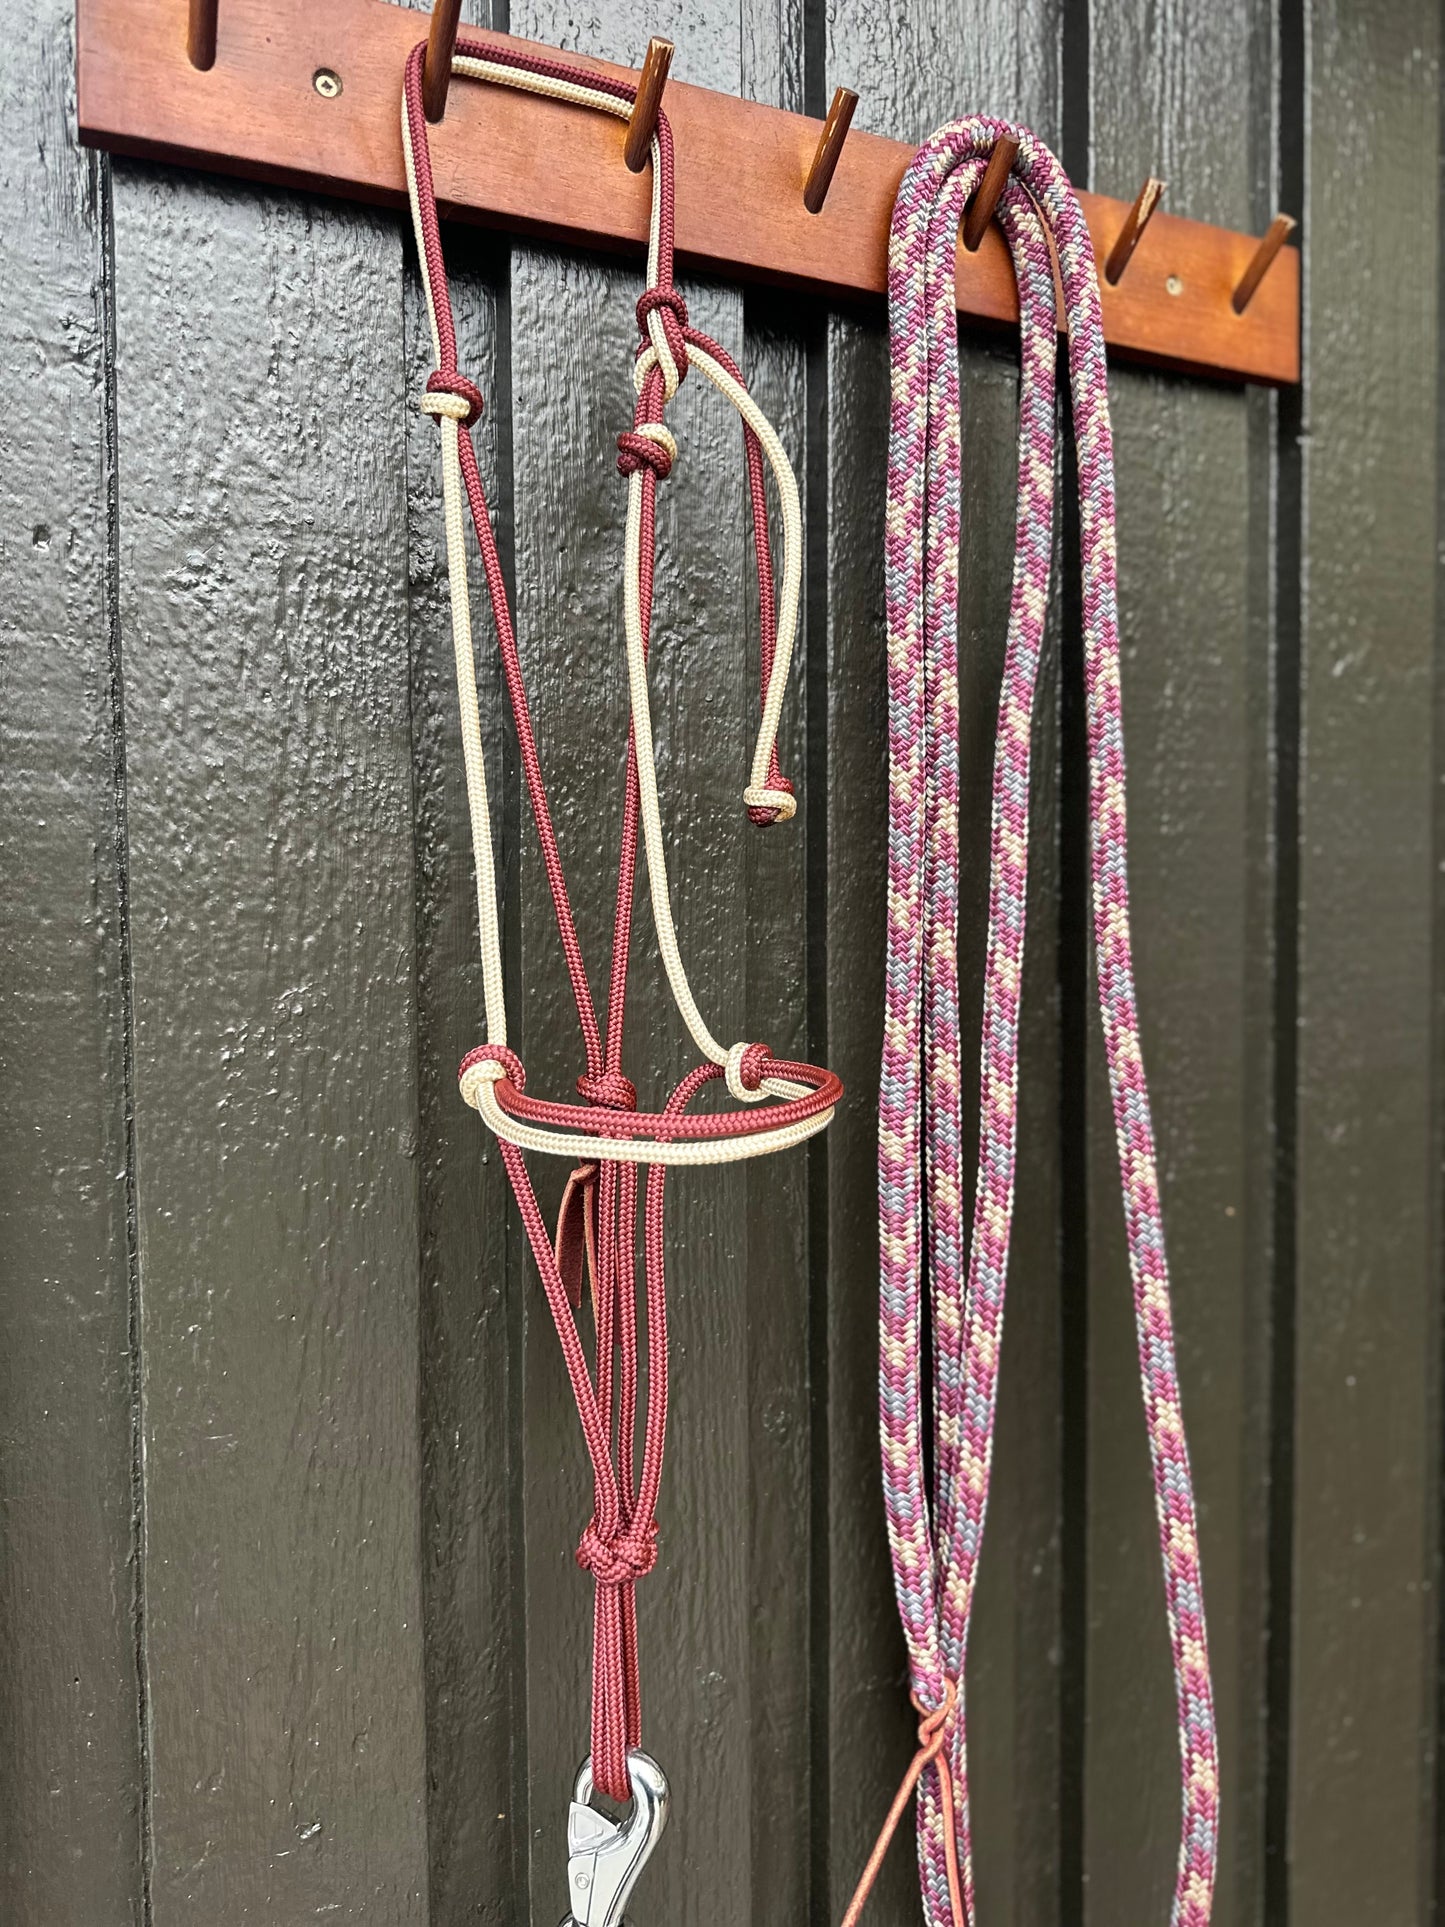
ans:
(830, 149)
(1132, 232)
(201, 33)
(989, 192)
(441, 44)
(1280, 229)
(642, 124)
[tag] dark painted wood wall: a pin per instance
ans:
(289, 1481)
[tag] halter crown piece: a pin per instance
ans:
(784, 1103)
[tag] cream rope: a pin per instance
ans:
(651, 812)
(477, 1086)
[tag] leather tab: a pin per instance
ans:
(575, 1246)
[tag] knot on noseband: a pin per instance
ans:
(610, 1089)
(649, 445)
(489, 1064)
(745, 1069)
(618, 1560)
(452, 394)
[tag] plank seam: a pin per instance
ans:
(815, 924)
(1434, 1871)
(1289, 618)
(514, 1247)
(815, 658)
(110, 456)
(422, 1038)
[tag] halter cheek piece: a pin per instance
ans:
(781, 1103)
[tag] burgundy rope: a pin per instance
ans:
(619, 1543)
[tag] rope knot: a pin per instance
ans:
(617, 1561)
(935, 1723)
(610, 1089)
(745, 1069)
(774, 804)
(489, 1064)
(452, 394)
(934, 1726)
(648, 445)
(671, 310)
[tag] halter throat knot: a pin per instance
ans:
(619, 1558)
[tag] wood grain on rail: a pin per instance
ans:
(543, 168)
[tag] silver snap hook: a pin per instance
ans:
(605, 1857)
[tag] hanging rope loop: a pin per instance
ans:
(936, 1488)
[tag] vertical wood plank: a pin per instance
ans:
(773, 1264)
(731, 1502)
(470, 1318)
(778, 959)
(1170, 94)
(70, 1767)
(916, 70)
(263, 526)
(1367, 1284)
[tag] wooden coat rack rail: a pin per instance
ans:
(306, 93)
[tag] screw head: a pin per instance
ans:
(326, 82)
(1174, 285)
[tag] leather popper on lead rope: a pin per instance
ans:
(606, 1135)
(936, 1525)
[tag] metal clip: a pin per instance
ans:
(604, 1857)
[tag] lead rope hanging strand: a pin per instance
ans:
(784, 1102)
(935, 1535)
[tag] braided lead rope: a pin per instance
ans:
(789, 1101)
(935, 1541)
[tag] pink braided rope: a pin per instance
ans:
(936, 1539)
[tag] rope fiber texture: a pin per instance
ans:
(936, 1531)
(783, 1103)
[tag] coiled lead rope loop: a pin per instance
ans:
(936, 1531)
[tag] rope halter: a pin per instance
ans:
(780, 1103)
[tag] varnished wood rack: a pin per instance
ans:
(306, 93)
